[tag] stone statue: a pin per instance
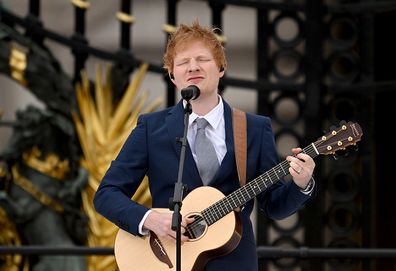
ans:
(42, 196)
(41, 178)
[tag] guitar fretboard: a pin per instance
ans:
(247, 192)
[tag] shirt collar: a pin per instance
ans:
(213, 117)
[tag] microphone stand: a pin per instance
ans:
(176, 201)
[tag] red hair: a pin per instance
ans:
(186, 34)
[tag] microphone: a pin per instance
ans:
(190, 93)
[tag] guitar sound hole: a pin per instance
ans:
(196, 229)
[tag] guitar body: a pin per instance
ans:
(141, 253)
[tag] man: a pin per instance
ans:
(195, 57)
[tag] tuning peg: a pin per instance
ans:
(343, 122)
(345, 153)
(342, 152)
(355, 147)
(333, 127)
(335, 156)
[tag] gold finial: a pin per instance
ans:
(125, 17)
(168, 28)
(221, 38)
(18, 64)
(81, 4)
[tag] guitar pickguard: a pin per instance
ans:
(159, 250)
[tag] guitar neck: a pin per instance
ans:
(247, 192)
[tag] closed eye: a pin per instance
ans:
(204, 59)
(181, 63)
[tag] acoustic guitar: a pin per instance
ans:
(216, 229)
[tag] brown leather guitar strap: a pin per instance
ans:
(240, 145)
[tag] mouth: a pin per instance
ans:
(195, 79)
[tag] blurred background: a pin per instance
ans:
(75, 75)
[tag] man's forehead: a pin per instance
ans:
(200, 48)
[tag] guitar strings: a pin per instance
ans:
(224, 206)
(219, 206)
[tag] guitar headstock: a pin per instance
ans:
(346, 134)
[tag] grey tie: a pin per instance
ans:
(207, 161)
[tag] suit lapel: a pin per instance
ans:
(175, 125)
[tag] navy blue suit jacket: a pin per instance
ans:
(152, 150)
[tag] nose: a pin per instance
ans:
(193, 66)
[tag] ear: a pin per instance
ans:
(221, 71)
